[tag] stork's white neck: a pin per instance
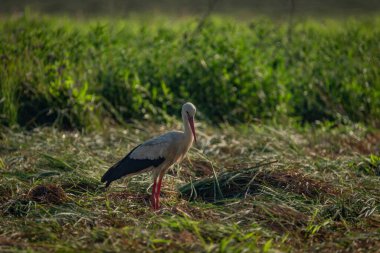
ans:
(186, 125)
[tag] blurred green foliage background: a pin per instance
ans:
(236, 8)
(76, 72)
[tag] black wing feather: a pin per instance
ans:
(127, 166)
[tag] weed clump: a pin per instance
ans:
(48, 193)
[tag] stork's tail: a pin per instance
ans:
(127, 166)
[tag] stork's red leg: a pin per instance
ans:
(153, 197)
(159, 190)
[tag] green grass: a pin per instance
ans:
(76, 73)
(256, 188)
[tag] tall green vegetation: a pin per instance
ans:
(75, 73)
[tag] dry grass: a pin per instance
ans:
(240, 182)
(252, 189)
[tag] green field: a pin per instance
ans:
(288, 158)
(73, 74)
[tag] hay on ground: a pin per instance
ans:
(236, 184)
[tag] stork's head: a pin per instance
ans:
(188, 112)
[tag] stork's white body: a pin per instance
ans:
(172, 146)
(157, 154)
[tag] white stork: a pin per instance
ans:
(157, 155)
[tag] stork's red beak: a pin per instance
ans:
(191, 122)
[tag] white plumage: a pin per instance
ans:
(156, 147)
